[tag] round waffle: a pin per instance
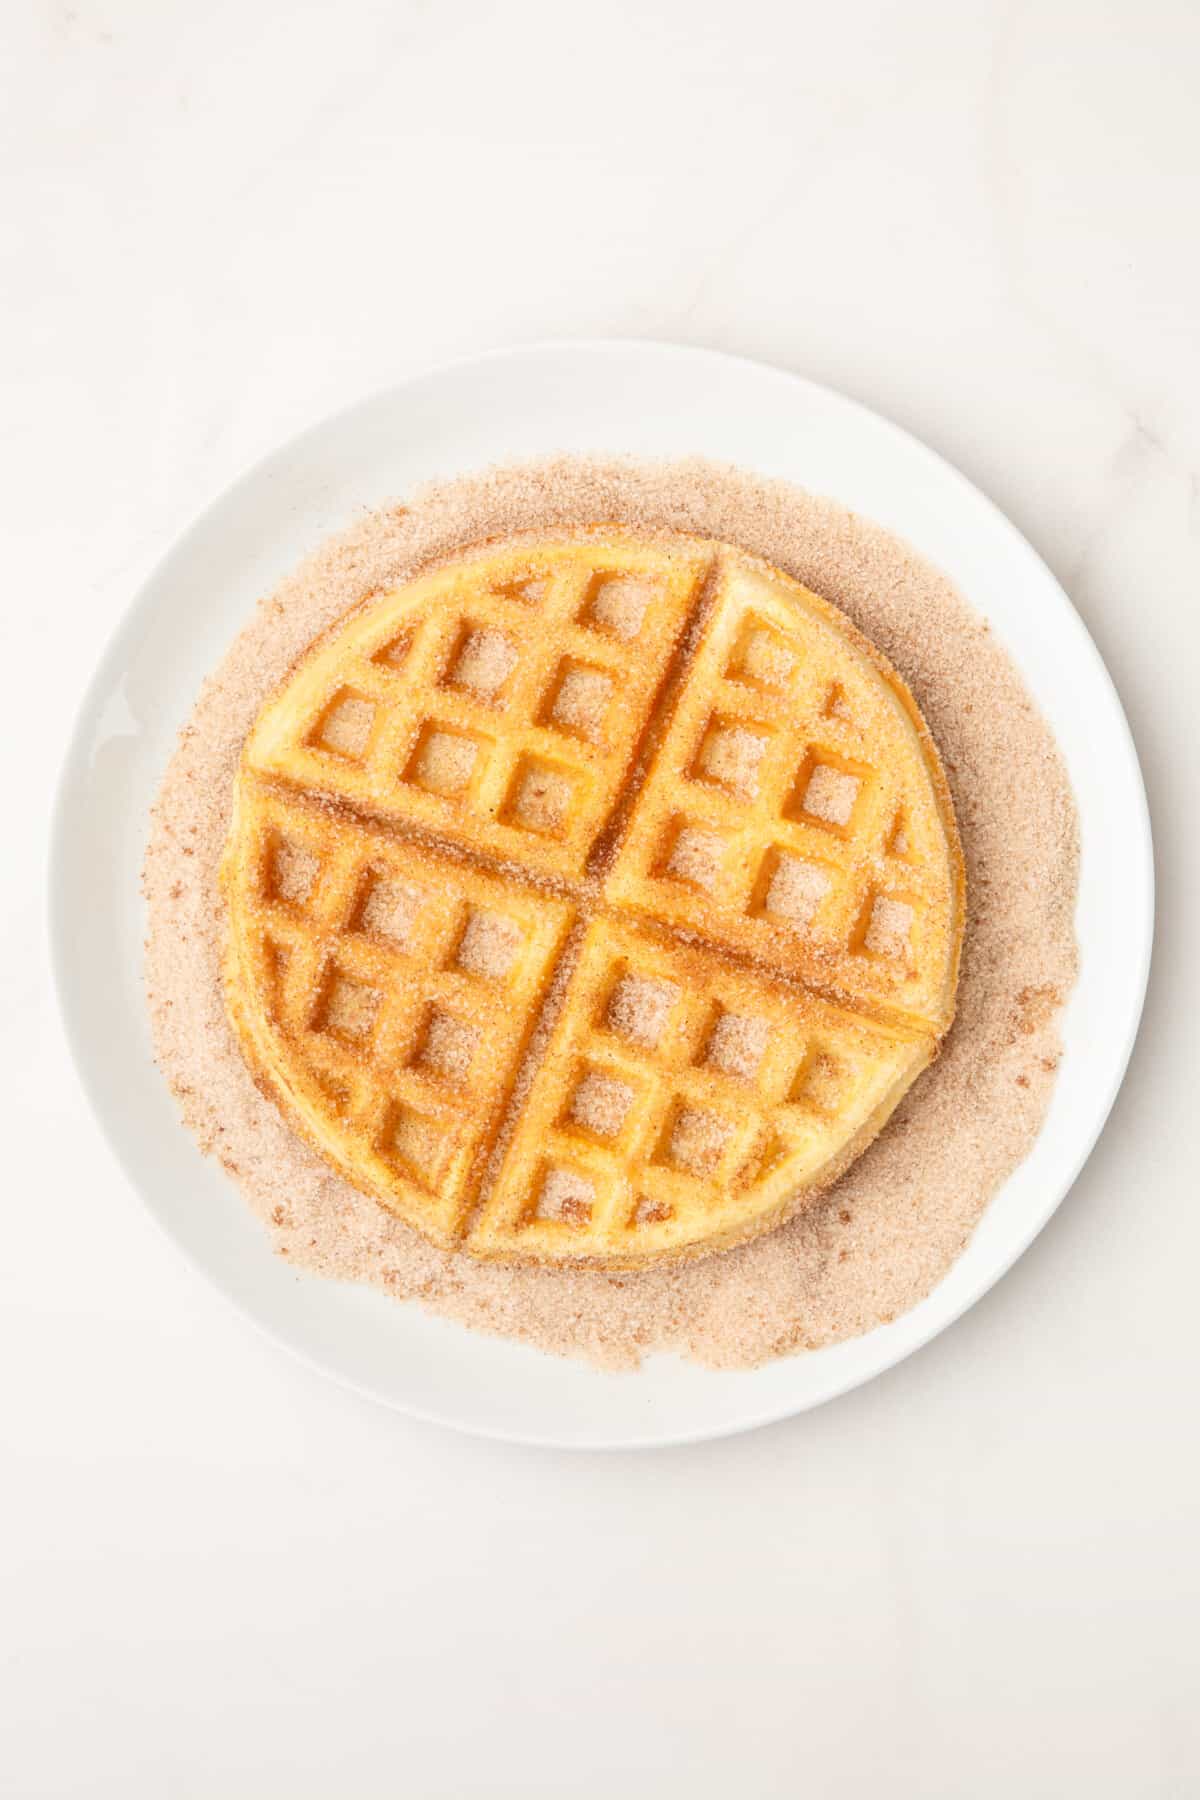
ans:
(592, 897)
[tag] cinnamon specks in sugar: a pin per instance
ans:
(896, 1221)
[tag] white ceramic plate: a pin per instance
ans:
(650, 400)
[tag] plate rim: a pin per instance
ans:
(142, 603)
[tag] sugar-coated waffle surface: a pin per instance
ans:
(592, 897)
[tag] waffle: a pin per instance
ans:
(496, 704)
(591, 898)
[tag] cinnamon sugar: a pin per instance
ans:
(795, 890)
(484, 662)
(581, 701)
(618, 604)
(696, 857)
(830, 794)
(888, 927)
(601, 1104)
(638, 1009)
(565, 1194)
(488, 946)
(294, 872)
(896, 1221)
(738, 1044)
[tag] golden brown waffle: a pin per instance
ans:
(497, 704)
(592, 897)
(795, 811)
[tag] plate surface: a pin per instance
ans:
(647, 400)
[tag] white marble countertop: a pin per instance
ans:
(978, 1575)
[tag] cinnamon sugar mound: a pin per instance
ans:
(895, 1223)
